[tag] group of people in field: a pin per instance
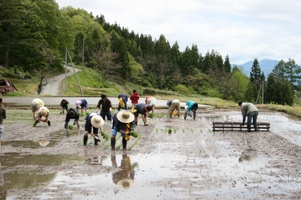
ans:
(124, 119)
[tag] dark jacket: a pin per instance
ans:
(105, 104)
(2, 113)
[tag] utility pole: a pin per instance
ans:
(75, 75)
(262, 92)
(83, 58)
(65, 69)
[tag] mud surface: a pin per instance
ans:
(173, 159)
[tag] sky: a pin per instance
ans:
(242, 29)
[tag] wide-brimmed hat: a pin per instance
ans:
(125, 183)
(44, 142)
(97, 121)
(44, 112)
(125, 116)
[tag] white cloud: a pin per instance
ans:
(244, 30)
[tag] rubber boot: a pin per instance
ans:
(255, 126)
(113, 143)
(66, 125)
(85, 139)
(35, 123)
(124, 143)
(96, 140)
(249, 128)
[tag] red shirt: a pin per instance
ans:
(134, 98)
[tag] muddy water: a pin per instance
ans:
(174, 159)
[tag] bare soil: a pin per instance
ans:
(173, 159)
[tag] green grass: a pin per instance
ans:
(90, 83)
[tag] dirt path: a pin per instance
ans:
(173, 159)
(54, 84)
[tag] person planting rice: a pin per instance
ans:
(173, 104)
(143, 109)
(42, 116)
(83, 104)
(36, 104)
(191, 106)
(64, 105)
(151, 101)
(94, 122)
(123, 122)
(106, 106)
(72, 113)
(122, 101)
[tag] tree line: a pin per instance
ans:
(35, 34)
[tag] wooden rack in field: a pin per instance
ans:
(236, 126)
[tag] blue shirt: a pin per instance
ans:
(124, 97)
(190, 105)
(84, 103)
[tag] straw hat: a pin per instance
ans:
(97, 121)
(125, 116)
(125, 183)
(44, 112)
(44, 143)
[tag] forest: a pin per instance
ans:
(36, 35)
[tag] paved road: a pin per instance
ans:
(53, 87)
(54, 84)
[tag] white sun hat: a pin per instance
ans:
(97, 121)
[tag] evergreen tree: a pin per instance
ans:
(257, 79)
(290, 71)
(189, 60)
(279, 91)
(118, 46)
(227, 65)
(271, 90)
(255, 72)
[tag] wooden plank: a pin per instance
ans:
(236, 126)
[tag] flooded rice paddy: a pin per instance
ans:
(173, 159)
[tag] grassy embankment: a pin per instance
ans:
(92, 85)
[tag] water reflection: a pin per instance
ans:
(2, 191)
(92, 159)
(19, 171)
(124, 176)
(248, 155)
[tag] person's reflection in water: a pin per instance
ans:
(248, 155)
(124, 176)
(2, 191)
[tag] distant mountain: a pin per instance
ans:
(266, 66)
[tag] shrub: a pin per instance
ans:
(182, 89)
